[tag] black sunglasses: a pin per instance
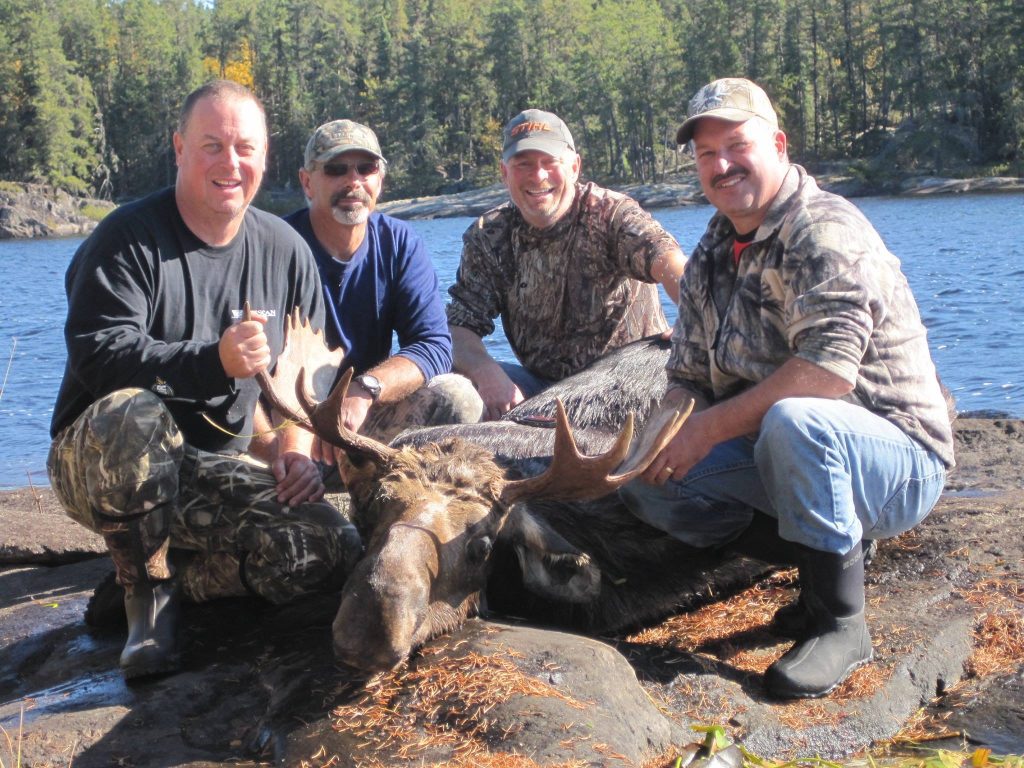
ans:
(364, 168)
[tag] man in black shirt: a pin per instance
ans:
(158, 401)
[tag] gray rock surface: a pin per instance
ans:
(684, 189)
(260, 685)
(36, 210)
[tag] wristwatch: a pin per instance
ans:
(370, 383)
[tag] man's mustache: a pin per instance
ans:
(732, 170)
(341, 197)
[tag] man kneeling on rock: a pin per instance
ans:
(158, 400)
(824, 423)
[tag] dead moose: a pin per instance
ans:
(513, 509)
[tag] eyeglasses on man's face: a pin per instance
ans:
(363, 168)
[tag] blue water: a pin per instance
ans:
(964, 257)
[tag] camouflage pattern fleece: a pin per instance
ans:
(123, 470)
(567, 294)
(817, 283)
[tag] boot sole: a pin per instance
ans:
(782, 694)
(152, 669)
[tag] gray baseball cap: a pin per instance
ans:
(535, 129)
(337, 136)
(732, 98)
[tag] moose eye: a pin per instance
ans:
(478, 549)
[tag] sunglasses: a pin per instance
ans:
(363, 168)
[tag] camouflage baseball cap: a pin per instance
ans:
(731, 98)
(535, 129)
(337, 136)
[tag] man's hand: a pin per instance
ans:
(355, 407)
(244, 349)
(298, 479)
(692, 443)
(354, 410)
(497, 390)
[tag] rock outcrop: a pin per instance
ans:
(684, 189)
(37, 210)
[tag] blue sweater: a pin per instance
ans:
(388, 287)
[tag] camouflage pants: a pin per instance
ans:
(445, 399)
(123, 470)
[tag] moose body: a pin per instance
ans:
(448, 548)
(449, 514)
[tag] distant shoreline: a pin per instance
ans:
(685, 190)
(30, 211)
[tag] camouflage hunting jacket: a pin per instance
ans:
(818, 283)
(567, 294)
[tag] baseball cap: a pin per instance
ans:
(535, 129)
(731, 98)
(337, 136)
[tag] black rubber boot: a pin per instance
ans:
(761, 541)
(153, 609)
(792, 620)
(836, 640)
(105, 609)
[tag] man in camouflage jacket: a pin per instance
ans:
(821, 421)
(570, 268)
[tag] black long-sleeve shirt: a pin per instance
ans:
(148, 302)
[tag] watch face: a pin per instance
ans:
(371, 384)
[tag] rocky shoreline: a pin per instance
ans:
(34, 210)
(38, 210)
(684, 189)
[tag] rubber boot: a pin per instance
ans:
(836, 641)
(793, 619)
(153, 609)
(761, 541)
(138, 543)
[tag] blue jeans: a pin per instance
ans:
(830, 472)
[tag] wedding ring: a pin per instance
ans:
(667, 469)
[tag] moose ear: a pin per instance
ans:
(551, 566)
(361, 477)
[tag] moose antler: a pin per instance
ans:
(304, 348)
(288, 390)
(577, 477)
(326, 422)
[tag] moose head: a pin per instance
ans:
(432, 514)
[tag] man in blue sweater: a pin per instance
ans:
(378, 281)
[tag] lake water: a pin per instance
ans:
(964, 257)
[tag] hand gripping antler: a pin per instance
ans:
(288, 391)
(304, 348)
(573, 476)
